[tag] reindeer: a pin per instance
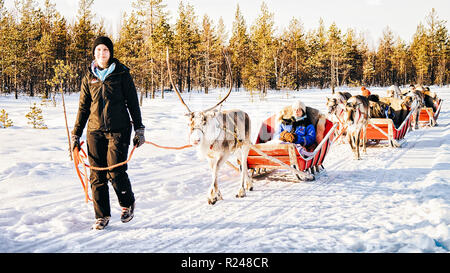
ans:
(357, 117)
(217, 135)
(419, 97)
(336, 108)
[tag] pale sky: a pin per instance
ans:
(367, 16)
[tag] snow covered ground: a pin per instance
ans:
(393, 200)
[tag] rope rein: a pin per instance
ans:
(80, 156)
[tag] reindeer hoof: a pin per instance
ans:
(212, 201)
(241, 193)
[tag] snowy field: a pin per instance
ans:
(393, 200)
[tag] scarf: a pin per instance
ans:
(101, 74)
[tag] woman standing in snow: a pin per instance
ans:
(107, 99)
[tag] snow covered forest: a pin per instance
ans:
(37, 40)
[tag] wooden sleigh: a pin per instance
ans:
(288, 154)
(427, 117)
(384, 129)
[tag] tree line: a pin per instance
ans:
(36, 41)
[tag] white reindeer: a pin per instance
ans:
(217, 135)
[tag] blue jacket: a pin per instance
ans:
(305, 131)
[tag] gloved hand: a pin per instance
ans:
(139, 137)
(287, 137)
(75, 142)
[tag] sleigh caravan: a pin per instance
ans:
(384, 129)
(287, 155)
(427, 117)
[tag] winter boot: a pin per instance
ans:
(127, 214)
(101, 223)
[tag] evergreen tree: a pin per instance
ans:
(296, 54)
(438, 46)
(333, 50)
(130, 47)
(261, 68)
(420, 54)
(239, 47)
(383, 64)
(186, 42)
(208, 51)
(82, 34)
(316, 51)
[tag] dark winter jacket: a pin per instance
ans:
(108, 104)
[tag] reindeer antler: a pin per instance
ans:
(231, 83)
(171, 81)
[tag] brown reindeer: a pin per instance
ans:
(217, 135)
(356, 117)
(336, 105)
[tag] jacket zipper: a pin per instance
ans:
(103, 96)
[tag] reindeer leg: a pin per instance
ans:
(244, 174)
(350, 139)
(249, 185)
(214, 193)
(357, 141)
(416, 122)
(365, 139)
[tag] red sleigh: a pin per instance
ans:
(384, 129)
(427, 117)
(288, 154)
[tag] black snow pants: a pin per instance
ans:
(106, 149)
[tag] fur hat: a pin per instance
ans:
(285, 114)
(105, 41)
(298, 105)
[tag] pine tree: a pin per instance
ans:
(438, 46)
(209, 50)
(5, 121)
(82, 34)
(420, 54)
(262, 37)
(351, 64)
(334, 50)
(129, 48)
(36, 118)
(296, 50)
(63, 72)
(384, 58)
(239, 47)
(400, 62)
(29, 28)
(186, 42)
(316, 51)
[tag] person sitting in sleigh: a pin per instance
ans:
(296, 127)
